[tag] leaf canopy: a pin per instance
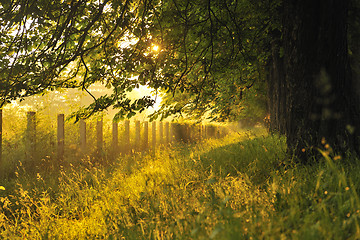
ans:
(211, 51)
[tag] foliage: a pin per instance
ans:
(222, 189)
(71, 44)
(213, 50)
(353, 38)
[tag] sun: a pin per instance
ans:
(155, 48)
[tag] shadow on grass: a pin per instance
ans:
(256, 158)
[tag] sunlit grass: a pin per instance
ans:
(231, 188)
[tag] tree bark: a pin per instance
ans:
(276, 87)
(321, 103)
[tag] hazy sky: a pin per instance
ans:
(68, 100)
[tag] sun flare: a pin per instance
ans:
(155, 48)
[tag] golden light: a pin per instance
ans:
(155, 48)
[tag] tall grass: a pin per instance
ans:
(231, 188)
(15, 153)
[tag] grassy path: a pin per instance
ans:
(232, 188)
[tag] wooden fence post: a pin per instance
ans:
(126, 142)
(207, 131)
(137, 146)
(60, 137)
(199, 132)
(186, 136)
(31, 135)
(146, 136)
(167, 132)
(189, 133)
(153, 135)
(115, 137)
(193, 133)
(218, 132)
(222, 132)
(172, 132)
(99, 135)
(203, 132)
(82, 131)
(161, 133)
(212, 131)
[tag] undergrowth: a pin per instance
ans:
(231, 188)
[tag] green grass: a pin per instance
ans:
(15, 151)
(233, 188)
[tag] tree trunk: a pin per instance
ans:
(276, 87)
(321, 103)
